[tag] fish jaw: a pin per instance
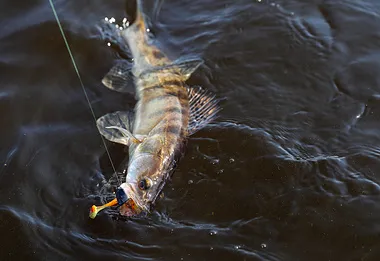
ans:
(127, 211)
(132, 207)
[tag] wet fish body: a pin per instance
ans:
(166, 114)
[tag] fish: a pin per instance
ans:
(166, 114)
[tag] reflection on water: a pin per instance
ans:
(289, 171)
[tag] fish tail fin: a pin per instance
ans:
(139, 14)
(134, 10)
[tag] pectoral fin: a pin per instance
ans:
(120, 78)
(116, 127)
(126, 133)
(203, 108)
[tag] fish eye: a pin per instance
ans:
(144, 184)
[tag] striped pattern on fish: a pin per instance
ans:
(167, 112)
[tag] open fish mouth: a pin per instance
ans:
(129, 208)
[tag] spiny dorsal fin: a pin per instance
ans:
(115, 120)
(203, 108)
(120, 78)
(183, 68)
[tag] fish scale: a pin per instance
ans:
(154, 106)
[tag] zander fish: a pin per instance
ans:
(166, 114)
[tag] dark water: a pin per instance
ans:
(290, 171)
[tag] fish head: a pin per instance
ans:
(143, 185)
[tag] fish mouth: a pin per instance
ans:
(129, 208)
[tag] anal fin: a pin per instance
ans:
(117, 126)
(203, 108)
(120, 78)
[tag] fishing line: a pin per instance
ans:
(80, 80)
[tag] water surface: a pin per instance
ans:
(288, 172)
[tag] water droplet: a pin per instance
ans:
(231, 160)
(106, 19)
(237, 247)
(213, 233)
(190, 181)
(211, 248)
(263, 245)
(148, 30)
(108, 44)
(215, 161)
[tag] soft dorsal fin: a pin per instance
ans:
(120, 78)
(184, 68)
(203, 108)
(117, 126)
